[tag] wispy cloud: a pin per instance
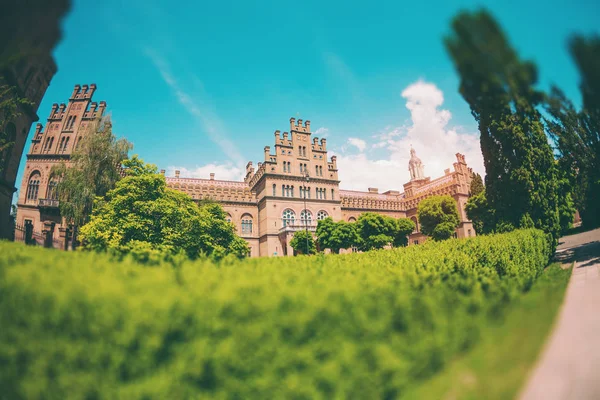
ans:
(358, 143)
(196, 106)
(322, 132)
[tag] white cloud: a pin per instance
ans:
(358, 143)
(322, 132)
(435, 142)
(226, 172)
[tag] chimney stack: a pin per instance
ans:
(177, 173)
(162, 172)
(212, 176)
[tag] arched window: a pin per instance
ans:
(66, 144)
(228, 217)
(274, 190)
(322, 215)
(62, 142)
(247, 223)
(351, 219)
(305, 217)
(33, 186)
(289, 217)
(52, 194)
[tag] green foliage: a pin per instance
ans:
(303, 243)
(367, 325)
(521, 176)
(438, 217)
(577, 133)
(375, 230)
(405, 227)
(480, 213)
(10, 109)
(493, 372)
(135, 166)
(476, 185)
(336, 235)
(93, 170)
(141, 214)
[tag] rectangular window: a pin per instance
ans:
(247, 226)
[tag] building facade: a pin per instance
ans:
(296, 185)
(38, 219)
(29, 33)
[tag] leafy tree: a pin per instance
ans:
(521, 176)
(404, 227)
(135, 166)
(480, 213)
(336, 235)
(324, 230)
(303, 242)
(142, 216)
(93, 170)
(586, 54)
(438, 217)
(10, 105)
(476, 185)
(577, 134)
(376, 230)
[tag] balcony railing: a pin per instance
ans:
(48, 203)
(298, 226)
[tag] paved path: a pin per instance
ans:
(569, 367)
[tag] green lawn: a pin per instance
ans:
(499, 365)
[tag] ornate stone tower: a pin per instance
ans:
(38, 217)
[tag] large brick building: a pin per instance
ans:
(294, 187)
(38, 216)
(268, 206)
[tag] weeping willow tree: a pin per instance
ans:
(93, 169)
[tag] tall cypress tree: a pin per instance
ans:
(586, 54)
(476, 185)
(521, 180)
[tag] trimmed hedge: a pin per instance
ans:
(79, 325)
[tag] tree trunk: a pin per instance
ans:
(74, 238)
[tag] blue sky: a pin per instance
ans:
(202, 86)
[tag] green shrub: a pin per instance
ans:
(303, 243)
(78, 325)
